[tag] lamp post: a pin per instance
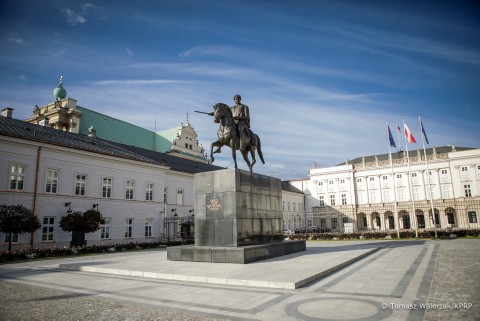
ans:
(95, 207)
(175, 218)
(69, 210)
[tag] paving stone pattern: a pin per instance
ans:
(399, 272)
(456, 280)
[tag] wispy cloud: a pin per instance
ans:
(73, 18)
(127, 82)
(129, 52)
(16, 39)
(206, 51)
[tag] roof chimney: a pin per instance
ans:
(7, 112)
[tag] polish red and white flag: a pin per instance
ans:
(408, 134)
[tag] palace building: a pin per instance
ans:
(66, 158)
(369, 193)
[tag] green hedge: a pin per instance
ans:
(383, 235)
(27, 254)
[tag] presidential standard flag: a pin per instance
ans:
(390, 138)
(408, 134)
(423, 132)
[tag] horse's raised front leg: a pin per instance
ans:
(215, 144)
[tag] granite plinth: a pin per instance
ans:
(237, 208)
(238, 219)
(240, 254)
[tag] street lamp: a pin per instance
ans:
(95, 207)
(69, 210)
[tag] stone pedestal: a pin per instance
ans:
(238, 219)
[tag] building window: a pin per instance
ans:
(52, 181)
(414, 175)
(359, 180)
(344, 199)
(80, 184)
(48, 228)
(472, 217)
(283, 205)
(334, 222)
(320, 183)
(468, 190)
(342, 181)
(345, 219)
(430, 192)
(17, 177)
(128, 227)
(180, 196)
(165, 195)
(105, 229)
(149, 192)
(399, 176)
(444, 171)
(416, 193)
(437, 217)
(391, 222)
(421, 221)
(330, 182)
(371, 179)
(148, 227)
(401, 195)
(445, 191)
(14, 237)
(385, 177)
(365, 222)
(129, 189)
(451, 218)
(386, 196)
(332, 200)
(288, 206)
(323, 223)
(373, 197)
(361, 198)
(321, 200)
(464, 169)
(107, 187)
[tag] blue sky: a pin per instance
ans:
(321, 78)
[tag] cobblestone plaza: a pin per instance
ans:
(394, 280)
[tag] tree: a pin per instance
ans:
(80, 223)
(17, 219)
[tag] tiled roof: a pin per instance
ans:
(20, 129)
(286, 186)
(174, 162)
(115, 130)
(164, 139)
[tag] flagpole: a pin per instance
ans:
(397, 225)
(428, 175)
(410, 182)
(398, 136)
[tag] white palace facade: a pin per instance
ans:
(368, 193)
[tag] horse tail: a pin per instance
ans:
(259, 149)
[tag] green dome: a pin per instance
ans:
(59, 92)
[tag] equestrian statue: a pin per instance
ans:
(235, 132)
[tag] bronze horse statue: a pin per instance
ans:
(228, 136)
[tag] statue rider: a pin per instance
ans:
(241, 117)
